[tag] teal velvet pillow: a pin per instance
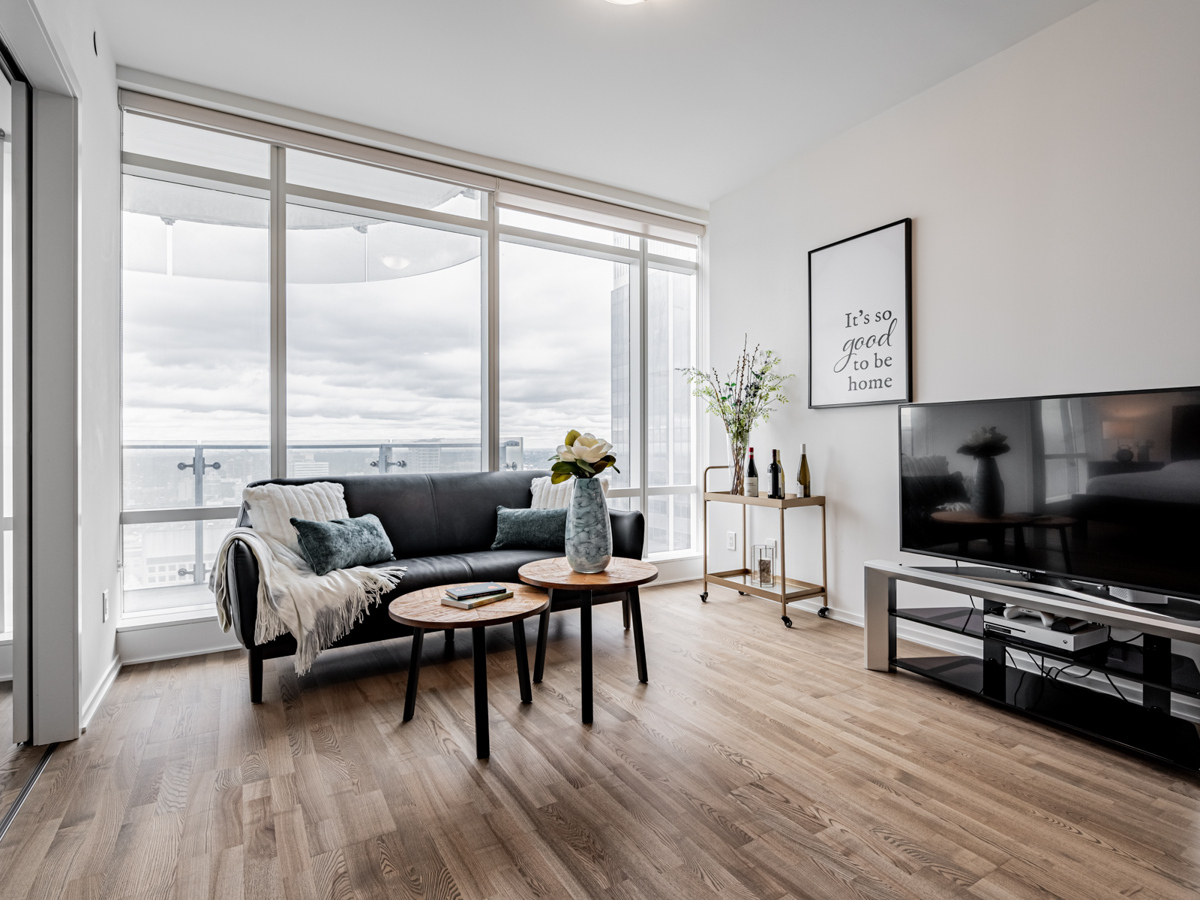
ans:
(530, 529)
(343, 543)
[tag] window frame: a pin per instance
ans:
(642, 227)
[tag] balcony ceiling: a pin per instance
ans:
(681, 99)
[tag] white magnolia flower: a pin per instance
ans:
(588, 448)
(565, 453)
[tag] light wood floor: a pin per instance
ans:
(758, 763)
(16, 763)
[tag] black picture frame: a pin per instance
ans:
(823, 397)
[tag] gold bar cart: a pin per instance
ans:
(790, 589)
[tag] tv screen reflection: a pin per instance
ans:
(1102, 488)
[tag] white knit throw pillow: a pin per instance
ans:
(272, 507)
(557, 496)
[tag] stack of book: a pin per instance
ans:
(470, 596)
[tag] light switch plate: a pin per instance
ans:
(731, 540)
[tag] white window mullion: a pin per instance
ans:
(490, 370)
(641, 406)
(278, 244)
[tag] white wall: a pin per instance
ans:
(1055, 193)
(70, 24)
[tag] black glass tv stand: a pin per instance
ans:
(1142, 724)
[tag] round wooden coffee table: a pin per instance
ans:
(971, 524)
(423, 610)
(621, 575)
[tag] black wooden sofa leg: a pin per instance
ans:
(256, 675)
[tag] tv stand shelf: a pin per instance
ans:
(1122, 660)
(1148, 728)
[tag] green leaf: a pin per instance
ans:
(571, 438)
(585, 466)
(600, 466)
(559, 477)
(562, 466)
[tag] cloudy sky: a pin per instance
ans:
(374, 353)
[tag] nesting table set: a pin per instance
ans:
(423, 611)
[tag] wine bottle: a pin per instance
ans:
(803, 476)
(751, 481)
(776, 471)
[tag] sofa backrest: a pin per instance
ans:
(431, 515)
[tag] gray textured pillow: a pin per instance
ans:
(530, 529)
(343, 543)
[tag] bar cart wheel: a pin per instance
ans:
(823, 612)
(786, 621)
(704, 597)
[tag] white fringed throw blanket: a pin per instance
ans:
(315, 609)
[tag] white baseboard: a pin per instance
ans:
(670, 571)
(144, 643)
(98, 695)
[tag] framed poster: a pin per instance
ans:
(859, 315)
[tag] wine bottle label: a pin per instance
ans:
(751, 487)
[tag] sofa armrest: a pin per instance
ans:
(628, 533)
(242, 578)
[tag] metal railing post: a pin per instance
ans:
(198, 467)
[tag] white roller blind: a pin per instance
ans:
(560, 205)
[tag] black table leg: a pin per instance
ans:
(482, 744)
(625, 610)
(639, 640)
(585, 652)
(522, 661)
(539, 661)
(414, 670)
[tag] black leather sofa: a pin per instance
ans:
(442, 528)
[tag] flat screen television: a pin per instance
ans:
(1095, 488)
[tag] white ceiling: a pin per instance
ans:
(681, 99)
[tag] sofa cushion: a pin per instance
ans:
(343, 543)
(272, 506)
(434, 515)
(530, 529)
(547, 495)
(456, 568)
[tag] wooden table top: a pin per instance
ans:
(966, 517)
(555, 573)
(424, 609)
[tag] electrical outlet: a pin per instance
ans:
(104, 599)
(731, 540)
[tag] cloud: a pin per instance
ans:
(395, 359)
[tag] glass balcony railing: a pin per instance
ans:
(168, 553)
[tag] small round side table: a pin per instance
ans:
(423, 610)
(621, 575)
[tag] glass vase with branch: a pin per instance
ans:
(747, 396)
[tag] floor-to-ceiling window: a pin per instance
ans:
(299, 306)
(383, 320)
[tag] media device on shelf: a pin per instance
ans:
(1035, 485)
